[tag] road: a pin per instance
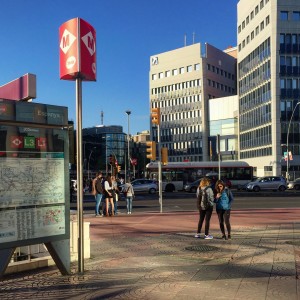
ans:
(181, 201)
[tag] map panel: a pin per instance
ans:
(30, 223)
(31, 181)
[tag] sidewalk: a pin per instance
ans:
(155, 256)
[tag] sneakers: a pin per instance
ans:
(197, 235)
(224, 237)
(208, 237)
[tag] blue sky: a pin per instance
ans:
(128, 33)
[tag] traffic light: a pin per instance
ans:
(151, 150)
(164, 155)
(155, 116)
(119, 168)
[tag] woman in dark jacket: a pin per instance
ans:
(223, 200)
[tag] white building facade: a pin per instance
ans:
(181, 83)
(269, 84)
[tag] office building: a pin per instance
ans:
(181, 83)
(269, 84)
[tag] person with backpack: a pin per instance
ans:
(223, 200)
(97, 191)
(205, 204)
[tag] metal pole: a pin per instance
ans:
(219, 155)
(128, 112)
(287, 145)
(79, 175)
(89, 163)
(159, 168)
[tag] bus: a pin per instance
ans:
(176, 174)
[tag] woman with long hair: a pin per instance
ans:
(223, 199)
(108, 192)
(205, 203)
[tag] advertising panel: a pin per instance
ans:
(77, 43)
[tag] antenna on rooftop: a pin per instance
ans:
(193, 37)
(184, 39)
(102, 114)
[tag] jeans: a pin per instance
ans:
(204, 214)
(224, 215)
(98, 198)
(129, 203)
(115, 207)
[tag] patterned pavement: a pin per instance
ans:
(155, 256)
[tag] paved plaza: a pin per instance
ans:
(155, 256)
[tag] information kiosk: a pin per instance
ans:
(34, 180)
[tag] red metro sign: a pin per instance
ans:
(77, 43)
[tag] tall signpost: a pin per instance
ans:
(77, 40)
(155, 118)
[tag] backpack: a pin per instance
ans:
(203, 201)
(99, 186)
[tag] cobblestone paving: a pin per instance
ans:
(260, 262)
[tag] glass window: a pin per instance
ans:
(296, 15)
(181, 70)
(189, 69)
(247, 20)
(252, 15)
(257, 30)
(261, 4)
(256, 10)
(161, 75)
(174, 72)
(262, 25)
(154, 76)
(168, 73)
(267, 20)
(284, 15)
(197, 67)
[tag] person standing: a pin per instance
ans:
(129, 194)
(115, 194)
(97, 191)
(108, 192)
(205, 204)
(223, 200)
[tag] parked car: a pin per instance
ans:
(294, 185)
(144, 185)
(243, 187)
(192, 187)
(268, 183)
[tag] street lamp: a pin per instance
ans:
(128, 112)
(287, 143)
(89, 162)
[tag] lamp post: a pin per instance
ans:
(287, 143)
(89, 162)
(128, 112)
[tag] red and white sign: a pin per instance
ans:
(41, 143)
(77, 43)
(134, 161)
(16, 141)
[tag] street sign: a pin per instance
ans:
(77, 43)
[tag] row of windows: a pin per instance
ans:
(289, 15)
(176, 86)
(254, 33)
(220, 86)
(256, 153)
(289, 65)
(286, 109)
(289, 43)
(194, 129)
(289, 83)
(256, 77)
(256, 117)
(171, 105)
(257, 97)
(220, 71)
(251, 16)
(256, 138)
(175, 72)
(181, 115)
(256, 57)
